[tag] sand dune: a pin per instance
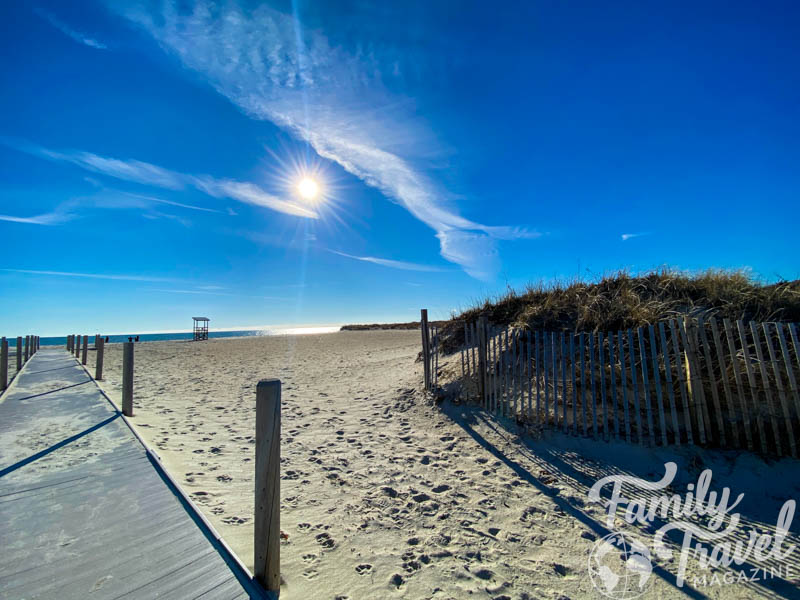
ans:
(384, 494)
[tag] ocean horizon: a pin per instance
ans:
(166, 336)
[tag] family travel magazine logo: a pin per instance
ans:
(706, 530)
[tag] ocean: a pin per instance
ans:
(186, 335)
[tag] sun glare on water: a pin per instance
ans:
(308, 188)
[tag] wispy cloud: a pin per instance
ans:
(627, 236)
(52, 218)
(264, 63)
(153, 175)
(207, 293)
(93, 275)
(394, 264)
(68, 31)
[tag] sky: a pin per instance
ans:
(150, 154)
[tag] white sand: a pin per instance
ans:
(385, 495)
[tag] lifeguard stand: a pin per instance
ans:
(200, 328)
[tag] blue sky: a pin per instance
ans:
(150, 154)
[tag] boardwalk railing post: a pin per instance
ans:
(426, 366)
(84, 356)
(3, 363)
(266, 545)
(19, 352)
(127, 379)
(77, 346)
(27, 347)
(98, 370)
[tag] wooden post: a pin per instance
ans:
(737, 375)
(554, 360)
(85, 354)
(77, 346)
(530, 375)
(563, 383)
(787, 362)
(127, 378)
(546, 364)
(613, 364)
(593, 384)
(695, 384)
(67, 344)
(787, 417)
(425, 348)
(583, 380)
(482, 387)
(267, 540)
(3, 363)
(98, 370)
(19, 352)
(712, 380)
(27, 347)
(536, 357)
(635, 386)
(574, 387)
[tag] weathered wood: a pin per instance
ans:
(695, 384)
(529, 365)
(18, 353)
(624, 380)
(787, 416)
(546, 364)
(705, 347)
(682, 383)
(77, 346)
(770, 401)
(732, 419)
(583, 381)
(635, 387)
(98, 369)
(464, 357)
(574, 387)
(603, 418)
(514, 366)
(729, 334)
(751, 378)
(593, 385)
(267, 518)
(613, 375)
(127, 379)
(68, 342)
(554, 360)
(676, 428)
(85, 352)
(506, 369)
(646, 387)
(3, 363)
(436, 358)
(795, 342)
(537, 357)
(787, 363)
(426, 351)
(482, 368)
(563, 384)
(662, 423)
(27, 347)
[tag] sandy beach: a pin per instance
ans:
(384, 493)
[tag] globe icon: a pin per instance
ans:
(620, 566)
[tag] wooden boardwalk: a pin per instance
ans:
(85, 511)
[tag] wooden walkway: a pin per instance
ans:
(85, 511)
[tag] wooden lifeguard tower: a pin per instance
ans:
(200, 328)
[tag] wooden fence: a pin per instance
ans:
(683, 381)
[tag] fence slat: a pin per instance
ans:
(574, 387)
(770, 405)
(676, 428)
(635, 386)
(706, 349)
(683, 385)
(603, 412)
(726, 385)
(583, 381)
(545, 357)
(529, 365)
(554, 359)
(537, 344)
(646, 387)
(695, 385)
(624, 381)
(657, 380)
(613, 364)
(737, 375)
(751, 378)
(781, 393)
(787, 362)
(594, 386)
(563, 384)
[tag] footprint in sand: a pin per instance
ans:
(325, 540)
(363, 569)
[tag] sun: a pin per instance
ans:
(308, 188)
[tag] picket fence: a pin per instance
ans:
(682, 381)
